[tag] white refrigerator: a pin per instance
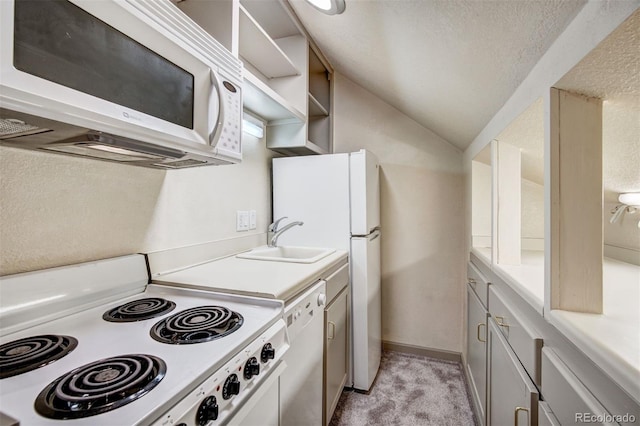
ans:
(337, 196)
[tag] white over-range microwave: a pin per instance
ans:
(133, 81)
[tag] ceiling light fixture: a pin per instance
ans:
(330, 7)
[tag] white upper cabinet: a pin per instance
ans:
(273, 49)
(287, 79)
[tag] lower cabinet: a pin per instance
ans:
(336, 343)
(546, 416)
(570, 400)
(525, 374)
(335, 352)
(477, 352)
(512, 398)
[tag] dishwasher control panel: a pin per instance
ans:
(299, 312)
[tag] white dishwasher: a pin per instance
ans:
(301, 382)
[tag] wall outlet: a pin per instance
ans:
(242, 220)
(252, 219)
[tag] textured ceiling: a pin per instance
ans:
(611, 72)
(448, 64)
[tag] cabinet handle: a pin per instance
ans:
(501, 322)
(515, 415)
(332, 328)
(478, 332)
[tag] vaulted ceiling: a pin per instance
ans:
(448, 64)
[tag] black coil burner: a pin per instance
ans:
(197, 325)
(139, 310)
(100, 386)
(21, 356)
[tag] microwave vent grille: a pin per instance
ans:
(182, 163)
(11, 128)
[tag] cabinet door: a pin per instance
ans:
(512, 396)
(477, 352)
(335, 371)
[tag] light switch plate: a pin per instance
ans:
(242, 220)
(252, 219)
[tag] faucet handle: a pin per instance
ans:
(274, 226)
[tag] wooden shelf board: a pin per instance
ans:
(315, 108)
(315, 148)
(309, 148)
(265, 102)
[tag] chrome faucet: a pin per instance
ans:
(273, 231)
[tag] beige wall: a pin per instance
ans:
(422, 190)
(532, 212)
(481, 197)
(57, 210)
(620, 159)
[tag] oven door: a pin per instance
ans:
(108, 66)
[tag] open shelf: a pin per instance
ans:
(287, 80)
(285, 139)
(263, 52)
(319, 86)
(315, 108)
(265, 102)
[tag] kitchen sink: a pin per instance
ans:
(287, 254)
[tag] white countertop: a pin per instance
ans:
(274, 280)
(527, 279)
(610, 339)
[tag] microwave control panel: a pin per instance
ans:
(232, 125)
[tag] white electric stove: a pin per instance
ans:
(95, 344)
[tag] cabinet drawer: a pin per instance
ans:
(566, 395)
(336, 282)
(522, 337)
(512, 398)
(478, 283)
(546, 416)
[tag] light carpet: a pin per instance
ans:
(409, 390)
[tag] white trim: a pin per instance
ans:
(175, 259)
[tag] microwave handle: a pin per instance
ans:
(216, 86)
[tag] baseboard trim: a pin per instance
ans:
(419, 350)
(479, 421)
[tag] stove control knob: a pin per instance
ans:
(322, 299)
(268, 352)
(251, 368)
(207, 411)
(231, 387)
